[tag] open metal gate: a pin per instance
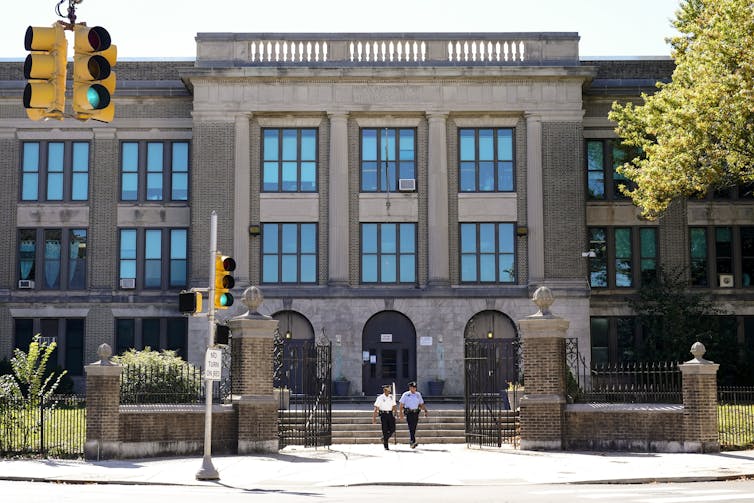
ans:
(303, 380)
(491, 368)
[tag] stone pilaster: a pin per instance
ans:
(251, 372)
(437, 214)
(338, 202)
(543, 404)
(102, 407)
(700, 402)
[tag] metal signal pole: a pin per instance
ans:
(208, 471)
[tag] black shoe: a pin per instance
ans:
(387, 448)
(413, 445)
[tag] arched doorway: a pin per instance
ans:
(388, 352)
(295, 331)
(498, 328)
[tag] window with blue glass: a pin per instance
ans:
(154, 171)
(625, 257)
(154, 258)
(289, 253)
(603, 158)
(52, 259)
(722, 257)
(55, 171)
(387, 156)
(289, 160)
(388, 253)
(487, 253)
(485, 159)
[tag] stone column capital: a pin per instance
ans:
(437, 115)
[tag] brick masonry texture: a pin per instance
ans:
(180, 428)
(544, 365)
(251, 366)
(564, 200)
(257, 422)
(541, 422)
(102, 402)
(632, 431)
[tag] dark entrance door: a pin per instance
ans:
(388, 352)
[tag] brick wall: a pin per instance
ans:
(544, 365)
(148, 430)
(258, 424)
(619, 427)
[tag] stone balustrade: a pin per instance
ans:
(391, 49)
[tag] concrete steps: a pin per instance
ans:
(443, 426)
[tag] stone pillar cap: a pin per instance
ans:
(698, 350)
(104, 351)
(252, 298)
(543, 298)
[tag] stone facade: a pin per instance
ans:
(238, 85)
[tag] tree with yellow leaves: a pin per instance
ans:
(695, 133)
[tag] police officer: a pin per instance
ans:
(385, 406)
(411, 403)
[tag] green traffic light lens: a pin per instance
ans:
(226, 300)
(92, 96)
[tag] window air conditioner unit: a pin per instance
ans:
(26, 283)
(128, 283)
(725, 280)
(407, 184)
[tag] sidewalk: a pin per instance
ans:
(431, 464)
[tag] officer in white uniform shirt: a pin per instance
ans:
(385, 407)
(411, 403)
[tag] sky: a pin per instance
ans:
(166, 28)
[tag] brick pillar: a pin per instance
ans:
(543, 337)
(251, 373)
(699, 402)
(102, 407)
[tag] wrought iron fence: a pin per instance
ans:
(624, 382)
(735, 409)
(150, 384)
(54, 427)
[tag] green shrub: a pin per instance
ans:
(158, 377)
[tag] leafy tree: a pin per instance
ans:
(695, 133)
(673, 318)
(30, 378)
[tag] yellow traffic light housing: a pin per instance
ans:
(93, 78)
(45, 69)
(224, 265)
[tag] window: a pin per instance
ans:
(486, 160)
(603, 158)
(52, 259)
(289, 253)
(722, 256)
(622, 260)
(388, 253)
(155, 333)
(154, 258)
(55, 171)
(67, 333)
(487, 253)
(387, 155)
(289, 158)
(614, 339)
(154, 171)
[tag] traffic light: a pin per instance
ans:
(45, 69)
(93, 79)
(222, 334)
(224, 265)
(190, 302)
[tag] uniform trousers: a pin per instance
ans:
(412, 418)
(388, 425)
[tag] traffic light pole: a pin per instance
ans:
(208, 471)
